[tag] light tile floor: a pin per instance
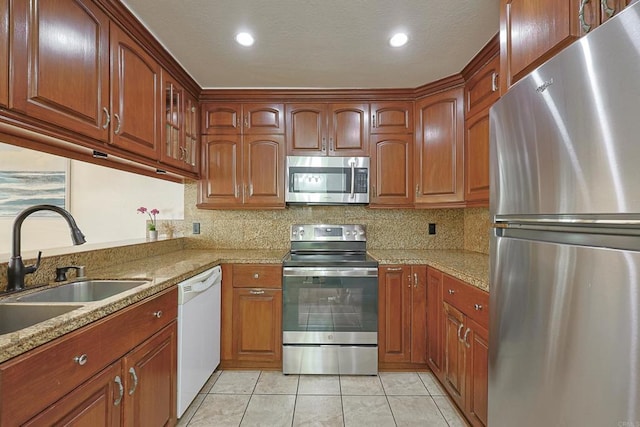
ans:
(270, 399)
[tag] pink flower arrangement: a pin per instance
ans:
(152, 215)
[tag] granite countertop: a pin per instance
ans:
(163, 271)
(470, 267)
(166, 270)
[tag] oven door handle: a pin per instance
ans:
(329, 272)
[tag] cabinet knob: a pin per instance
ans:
(478, 307)
(157, 314)
(256, 275)
(81, 360)
(451, 292)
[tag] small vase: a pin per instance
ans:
(153, 235)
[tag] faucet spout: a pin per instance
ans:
(16, 269)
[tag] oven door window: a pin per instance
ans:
(338, 304)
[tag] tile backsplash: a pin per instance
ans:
(477, 226)
(269, 229)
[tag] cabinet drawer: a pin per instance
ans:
(473, 302)
(35, 380)
(257, 276)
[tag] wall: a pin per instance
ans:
(103, 202)
(269, 229)
(477, 226)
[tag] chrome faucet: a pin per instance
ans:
(17, 270)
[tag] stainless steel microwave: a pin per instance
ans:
(327, 180)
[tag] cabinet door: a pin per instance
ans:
(435, 350)
(61, 58)
(476, 159)
(257, 324)
(225, 119)
(391, 117)
(477, 374)
(150, 372)
(98, 402)
(394, 322)
(221, 176)
(348, 129)
(439, 149)
(418, 314)
(391, 170)
(265, 119)
(454, 359)
(173, 131)
(135, 97)
(531, 31)
(4, 53)
(306, 124)
(191, 132)
(263, 170)
(483, 88)
(609, 8)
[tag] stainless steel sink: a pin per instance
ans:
(82, 291)
(14, 317)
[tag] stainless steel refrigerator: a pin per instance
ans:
(564, 346)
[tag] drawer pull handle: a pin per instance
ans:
(120, 391)
(107, 118)
(256, 292)
(464, 340)
(81, 360)
(451, 292)
(256, 276)
(478, 307)
(394, 269)
(157, 314)
(132, 372)
(117, 129)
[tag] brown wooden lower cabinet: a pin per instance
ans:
(257, 324)
(251, 334)
(95, 403)
(128, 374)
(435, 352)
(402, 321)
(466, 347)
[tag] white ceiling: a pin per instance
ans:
(320, 43)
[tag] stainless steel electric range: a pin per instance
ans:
(330, 302)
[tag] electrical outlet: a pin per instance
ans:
(196, 228)
(432, 228)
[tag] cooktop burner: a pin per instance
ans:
(320, 259)
(320, 245)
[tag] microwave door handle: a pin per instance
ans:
(353, 180)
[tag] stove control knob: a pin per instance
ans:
(301, 232)
(347, 233)
(294, 232)
(361, 232)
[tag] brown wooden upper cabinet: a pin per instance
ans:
(179, 133)
(481, 92)
(242, 171)
(532, 31)
(4, 53)
(135, 96)
(62, 56)
(247, 119)
(391, 118)
(592, 13)
(391, 177)
(80, 71)
(438, 158)
(327, 129)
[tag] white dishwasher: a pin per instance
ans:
(198, 333)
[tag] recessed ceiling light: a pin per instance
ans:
(245, 39)
(398, 39)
